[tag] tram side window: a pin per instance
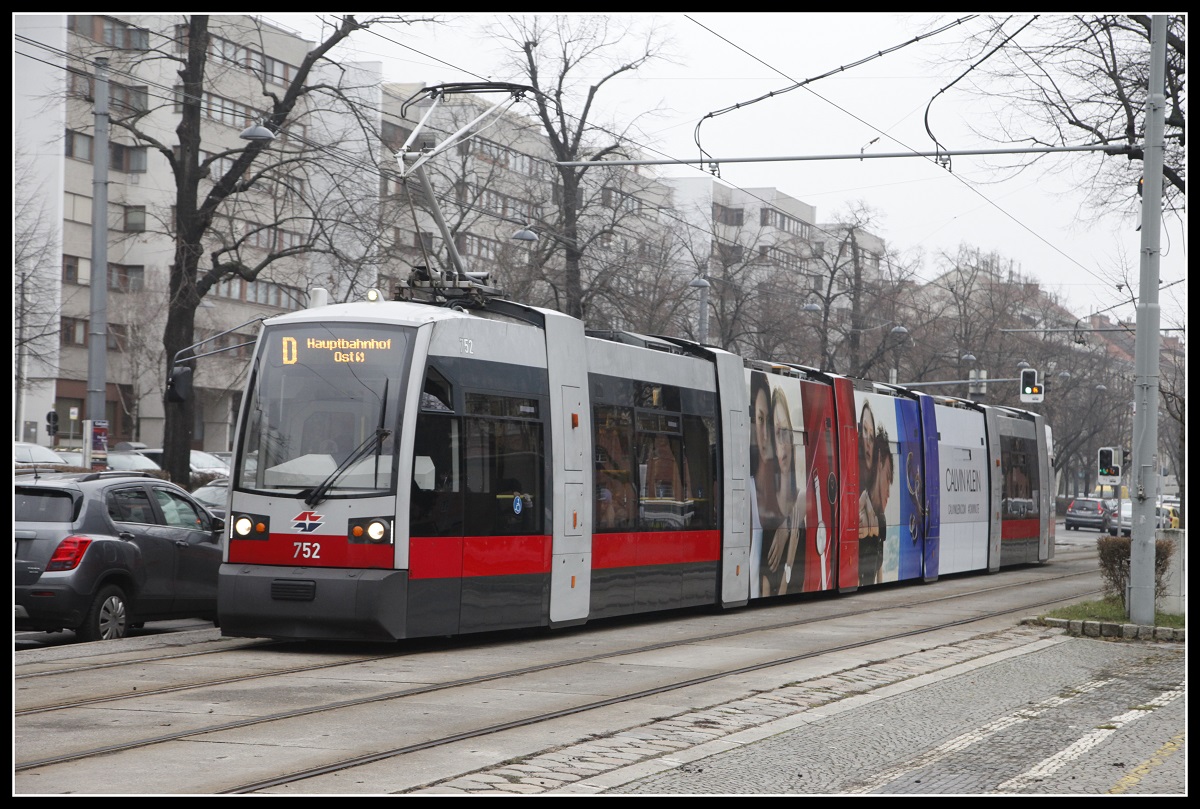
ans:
(1020, 488)
(504, 465)
(437, 491)
(616, 494)
(700, 494)
(436, 394)
(662, 472)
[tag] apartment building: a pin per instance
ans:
(59, 60)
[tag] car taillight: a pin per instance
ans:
(68, 554)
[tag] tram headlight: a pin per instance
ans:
(372, 530)
(250, 526)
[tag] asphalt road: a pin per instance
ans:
(47, 640)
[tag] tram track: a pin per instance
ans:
(359, 761)
(209, 731)
(351, 660)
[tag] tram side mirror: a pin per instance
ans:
(179, 384)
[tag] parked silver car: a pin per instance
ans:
(98, 552)
(201, 462)
(127, 461)
(1087, 512)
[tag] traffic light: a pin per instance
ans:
(1108, 465)
(52, 422)
(1031, 389)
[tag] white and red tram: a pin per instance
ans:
(405, 469)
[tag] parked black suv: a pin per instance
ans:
(100, 552)
(1087, 512)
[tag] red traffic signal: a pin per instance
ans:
(1107, 463)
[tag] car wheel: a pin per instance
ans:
(108, 617)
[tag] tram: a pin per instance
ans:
(404, 469)
(453, 462)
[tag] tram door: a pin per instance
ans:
(479, 551)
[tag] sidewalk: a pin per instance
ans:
(749, 745)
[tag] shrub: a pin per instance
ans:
(1114, 565)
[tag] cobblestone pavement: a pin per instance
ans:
(1031, 710)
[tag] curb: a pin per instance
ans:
(1105, 629)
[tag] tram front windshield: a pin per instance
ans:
(325, 409)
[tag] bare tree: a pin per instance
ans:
(568, 60)
(35, 282)
(1083, 79)
(859, 290)
(1173, 429)
(744, 317)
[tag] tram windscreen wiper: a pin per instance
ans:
(373, 442)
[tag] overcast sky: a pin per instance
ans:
(728, 59)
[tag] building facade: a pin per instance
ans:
(61, 60)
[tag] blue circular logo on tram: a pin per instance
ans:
(516, 504)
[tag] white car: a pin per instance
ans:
(26, 454)
(1164, 519)
(201, 462)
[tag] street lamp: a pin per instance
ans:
(525, 234)
(703, 285)
(258, 132)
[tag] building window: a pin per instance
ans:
(120, 157)
(74, 332)
(112, 32)
(478, 246)
(232, 288)
(78, 146)
(780, 258)
(276, 71)
(770, 217)
(729, 254)
(131, 159)
(135, 219)
(620, 201)
(120, 96)
(269, 238)
(728, 216)
(118, 336)
(131, 99)
(70, 272)
(268, 293)
(77, 208)
(126, 278)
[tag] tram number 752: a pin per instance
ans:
(307, 550)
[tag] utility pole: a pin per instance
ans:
(97, 382)
(703, 285)
(1143, 477)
